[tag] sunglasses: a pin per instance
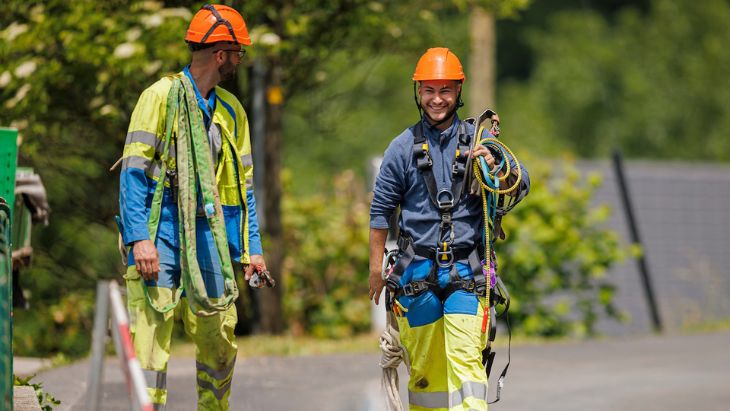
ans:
(240, 52)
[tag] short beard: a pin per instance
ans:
(449, 115)
(225, 73)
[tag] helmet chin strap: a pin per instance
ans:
(433, 121)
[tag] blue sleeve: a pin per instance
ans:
(389, 187)
(524, 184)
(254, 238)
(133, 189)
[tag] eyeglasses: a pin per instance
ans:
(240, 52)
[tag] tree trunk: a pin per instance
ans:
(482, 68)
(272, 320)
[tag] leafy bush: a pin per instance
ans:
(326, 265)
(553, 261)
(63, 328)
(555, 257)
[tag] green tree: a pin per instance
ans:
(70, 74)
(653, 84)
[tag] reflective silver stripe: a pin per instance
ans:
(249, 183)
(437, 399)
(219, 393)
(246, 160)
(154, 171)
(151, 140)
(144, 137)
(158, 407)
(216, 141)
(155, 379)
(469, 389)
(172, 151)
(217, 374)
(442, 399)
(136, 162)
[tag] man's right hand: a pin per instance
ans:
(377, 246)
(376, 285)
(146, 259)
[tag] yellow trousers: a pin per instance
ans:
(444, 342)
(215, 347)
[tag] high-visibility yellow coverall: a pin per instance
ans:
(228, 133)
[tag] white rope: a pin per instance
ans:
(393, 353)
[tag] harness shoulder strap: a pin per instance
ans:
(424, 162)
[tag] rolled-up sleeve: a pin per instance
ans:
(389, 187)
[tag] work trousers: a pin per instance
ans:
(444, 342)
(215, 347)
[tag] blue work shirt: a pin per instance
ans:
(400, 183)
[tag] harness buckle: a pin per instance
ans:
(445, 199)
(480, 285)
(468, 286)
(414, 288)
(445, 256)
(392, 282)
(458, 168)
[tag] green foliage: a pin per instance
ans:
(326, 268)
(654, 85)
(501, 8)
(554, 260)
(46, 400)
(68, 320)
(555, 257)
(70, 74)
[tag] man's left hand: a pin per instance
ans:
(257, 263)
(480, 150)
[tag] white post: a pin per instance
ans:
(98, 343)
(125, 349)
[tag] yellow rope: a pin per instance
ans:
(498, 191)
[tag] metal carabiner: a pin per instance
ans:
(445, 257)
(445, 199)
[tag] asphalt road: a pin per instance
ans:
(676, 372)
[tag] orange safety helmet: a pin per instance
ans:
(216, 23)
(439, 63)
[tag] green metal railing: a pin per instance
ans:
(8, 161)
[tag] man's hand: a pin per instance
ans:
(376, 284)
(146, 259)
(377, 246)
(258, 263)
(480, 150)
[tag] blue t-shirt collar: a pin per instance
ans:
(207, 106)
(438, 135)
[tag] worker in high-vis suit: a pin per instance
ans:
(439, 283)
(188, 212)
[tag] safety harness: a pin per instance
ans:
(194, 172)
(485, 282)
(445, 254)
